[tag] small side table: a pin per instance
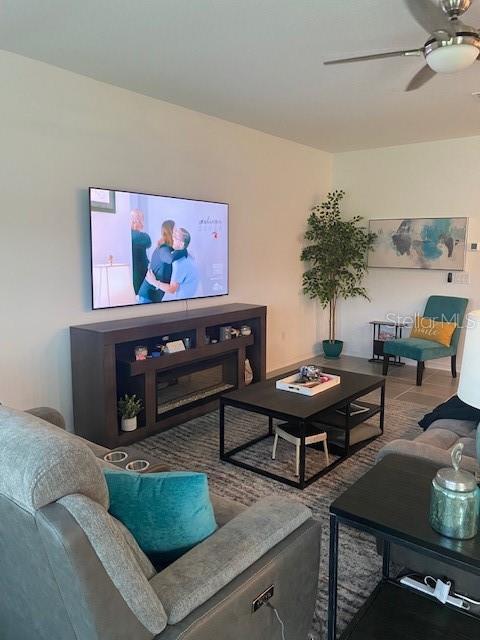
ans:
(391, 502)
(379, 340)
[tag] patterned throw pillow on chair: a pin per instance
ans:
(430, 329)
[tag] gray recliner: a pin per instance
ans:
(70, 571)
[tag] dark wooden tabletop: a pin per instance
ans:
(393, 498)
(206, 313)
(264, 395)
(388, 323)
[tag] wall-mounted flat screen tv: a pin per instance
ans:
(148, 248)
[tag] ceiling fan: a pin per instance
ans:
(452, 45)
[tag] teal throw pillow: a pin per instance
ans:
(167, 513)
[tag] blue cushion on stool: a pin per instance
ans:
(167, 513)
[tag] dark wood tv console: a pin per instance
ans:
(174, 387)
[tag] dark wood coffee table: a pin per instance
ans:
(303, 412)
(391, 502)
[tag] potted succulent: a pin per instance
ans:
(129, 407)
(337, 255)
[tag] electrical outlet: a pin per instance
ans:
(262, 598)
(461, 277)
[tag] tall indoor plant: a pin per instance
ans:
(337, 256)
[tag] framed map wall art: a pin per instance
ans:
(419, 243)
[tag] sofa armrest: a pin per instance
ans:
(55, 417)
(424, 451)
(99, 451)
(225, 509)
(49, 415)
(202, 572)
(291, 567)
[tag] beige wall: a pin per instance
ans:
(60, 133)
(419, 180)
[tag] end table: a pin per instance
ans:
(391, 502)
(380, 337)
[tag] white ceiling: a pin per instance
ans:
(258, 63)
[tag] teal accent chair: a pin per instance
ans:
(441, 308)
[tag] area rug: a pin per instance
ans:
(194, 446)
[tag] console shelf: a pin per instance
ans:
(137, 367)
(104, 368)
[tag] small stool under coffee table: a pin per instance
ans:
(291, 434)
(331, 411)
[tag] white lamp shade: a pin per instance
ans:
(469, 385)
(454, 57)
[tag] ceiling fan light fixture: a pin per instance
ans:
(451, 58)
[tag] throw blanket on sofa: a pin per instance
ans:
(454, 409)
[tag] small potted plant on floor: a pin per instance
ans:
(129, 407)
(337, 255)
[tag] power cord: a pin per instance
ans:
(428, 580)
(282, 625)
(441, 589)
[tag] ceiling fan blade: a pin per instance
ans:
(377, 56)
(420, 78)
(430, 16)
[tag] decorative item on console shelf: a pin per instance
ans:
(129, 407)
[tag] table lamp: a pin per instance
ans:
(469, 385)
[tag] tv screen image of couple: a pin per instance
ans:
(148, 249)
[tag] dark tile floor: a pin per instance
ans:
(438, 385)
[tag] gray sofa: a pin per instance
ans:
(435, 445)
(70, 571)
